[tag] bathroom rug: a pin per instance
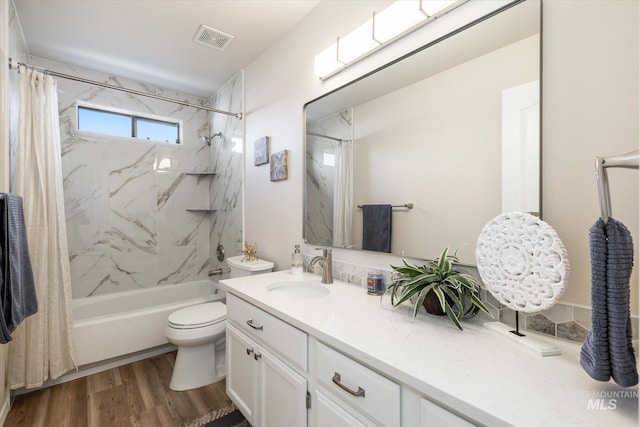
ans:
(234, 419)
(207, 419)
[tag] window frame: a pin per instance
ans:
(133, 116)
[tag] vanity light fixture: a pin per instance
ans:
(398, 19)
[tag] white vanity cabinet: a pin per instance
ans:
(242, 372)
(419, 411)
(274, 370)
(349, 393)
(326, 412)
(432, 415)
(261, 379)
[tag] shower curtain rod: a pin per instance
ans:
(13, 64)
(327, 136)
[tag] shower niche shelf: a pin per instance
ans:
(202, 173)
(201, 210)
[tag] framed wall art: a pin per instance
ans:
(261, 151)
(280, 165)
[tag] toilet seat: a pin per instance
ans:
(198, 316)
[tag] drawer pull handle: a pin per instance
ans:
(257, 356)
(258, 327)
(336, 381)
(249, 351)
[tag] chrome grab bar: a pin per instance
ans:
(336, 381)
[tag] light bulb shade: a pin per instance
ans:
(396, 19)
(432, 7)
(326, 62)
(357, 43)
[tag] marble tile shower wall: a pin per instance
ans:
(225, 193)
(320, 182)
(563, 321)
(125, 199)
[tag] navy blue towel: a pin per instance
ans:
(17, 287)
(376, 228)
(607, 351)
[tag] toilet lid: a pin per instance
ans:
(254, 265)
(198, 316)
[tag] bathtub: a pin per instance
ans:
(115, 325)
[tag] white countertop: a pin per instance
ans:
(476, 372)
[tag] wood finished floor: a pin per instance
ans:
(137, 395)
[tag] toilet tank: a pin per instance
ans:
(241, 268)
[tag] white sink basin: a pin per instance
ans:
(299, 290)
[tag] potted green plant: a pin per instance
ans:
(438, 286)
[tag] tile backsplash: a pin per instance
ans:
(564, 321)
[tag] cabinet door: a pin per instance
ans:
(328, 413)
(242, 374)
(434, 415)
(283, 394)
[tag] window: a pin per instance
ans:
(128, 125)
(328, 159)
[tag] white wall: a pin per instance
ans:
(590, 108)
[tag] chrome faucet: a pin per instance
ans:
(325, 263)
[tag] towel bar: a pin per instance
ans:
(406, 205)
(627, 160)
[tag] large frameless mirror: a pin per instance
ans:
(449, 136)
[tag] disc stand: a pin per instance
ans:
(539, 347)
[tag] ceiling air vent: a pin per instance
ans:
(213, 38)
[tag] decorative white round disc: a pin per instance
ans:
(522, 262)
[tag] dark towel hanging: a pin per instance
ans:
(607, 351)
(376, 228)
(17, 287)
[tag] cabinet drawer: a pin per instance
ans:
(373, 394)
(279, 336)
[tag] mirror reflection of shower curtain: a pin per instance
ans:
(42, 346)
(343, 194)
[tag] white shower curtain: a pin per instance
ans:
(343, 194)
(42, 346)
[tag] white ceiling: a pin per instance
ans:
(152, 40)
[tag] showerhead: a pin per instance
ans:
(207, 139)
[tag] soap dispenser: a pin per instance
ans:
(296, 261)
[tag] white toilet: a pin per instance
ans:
(241, 268)
(197, 329)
